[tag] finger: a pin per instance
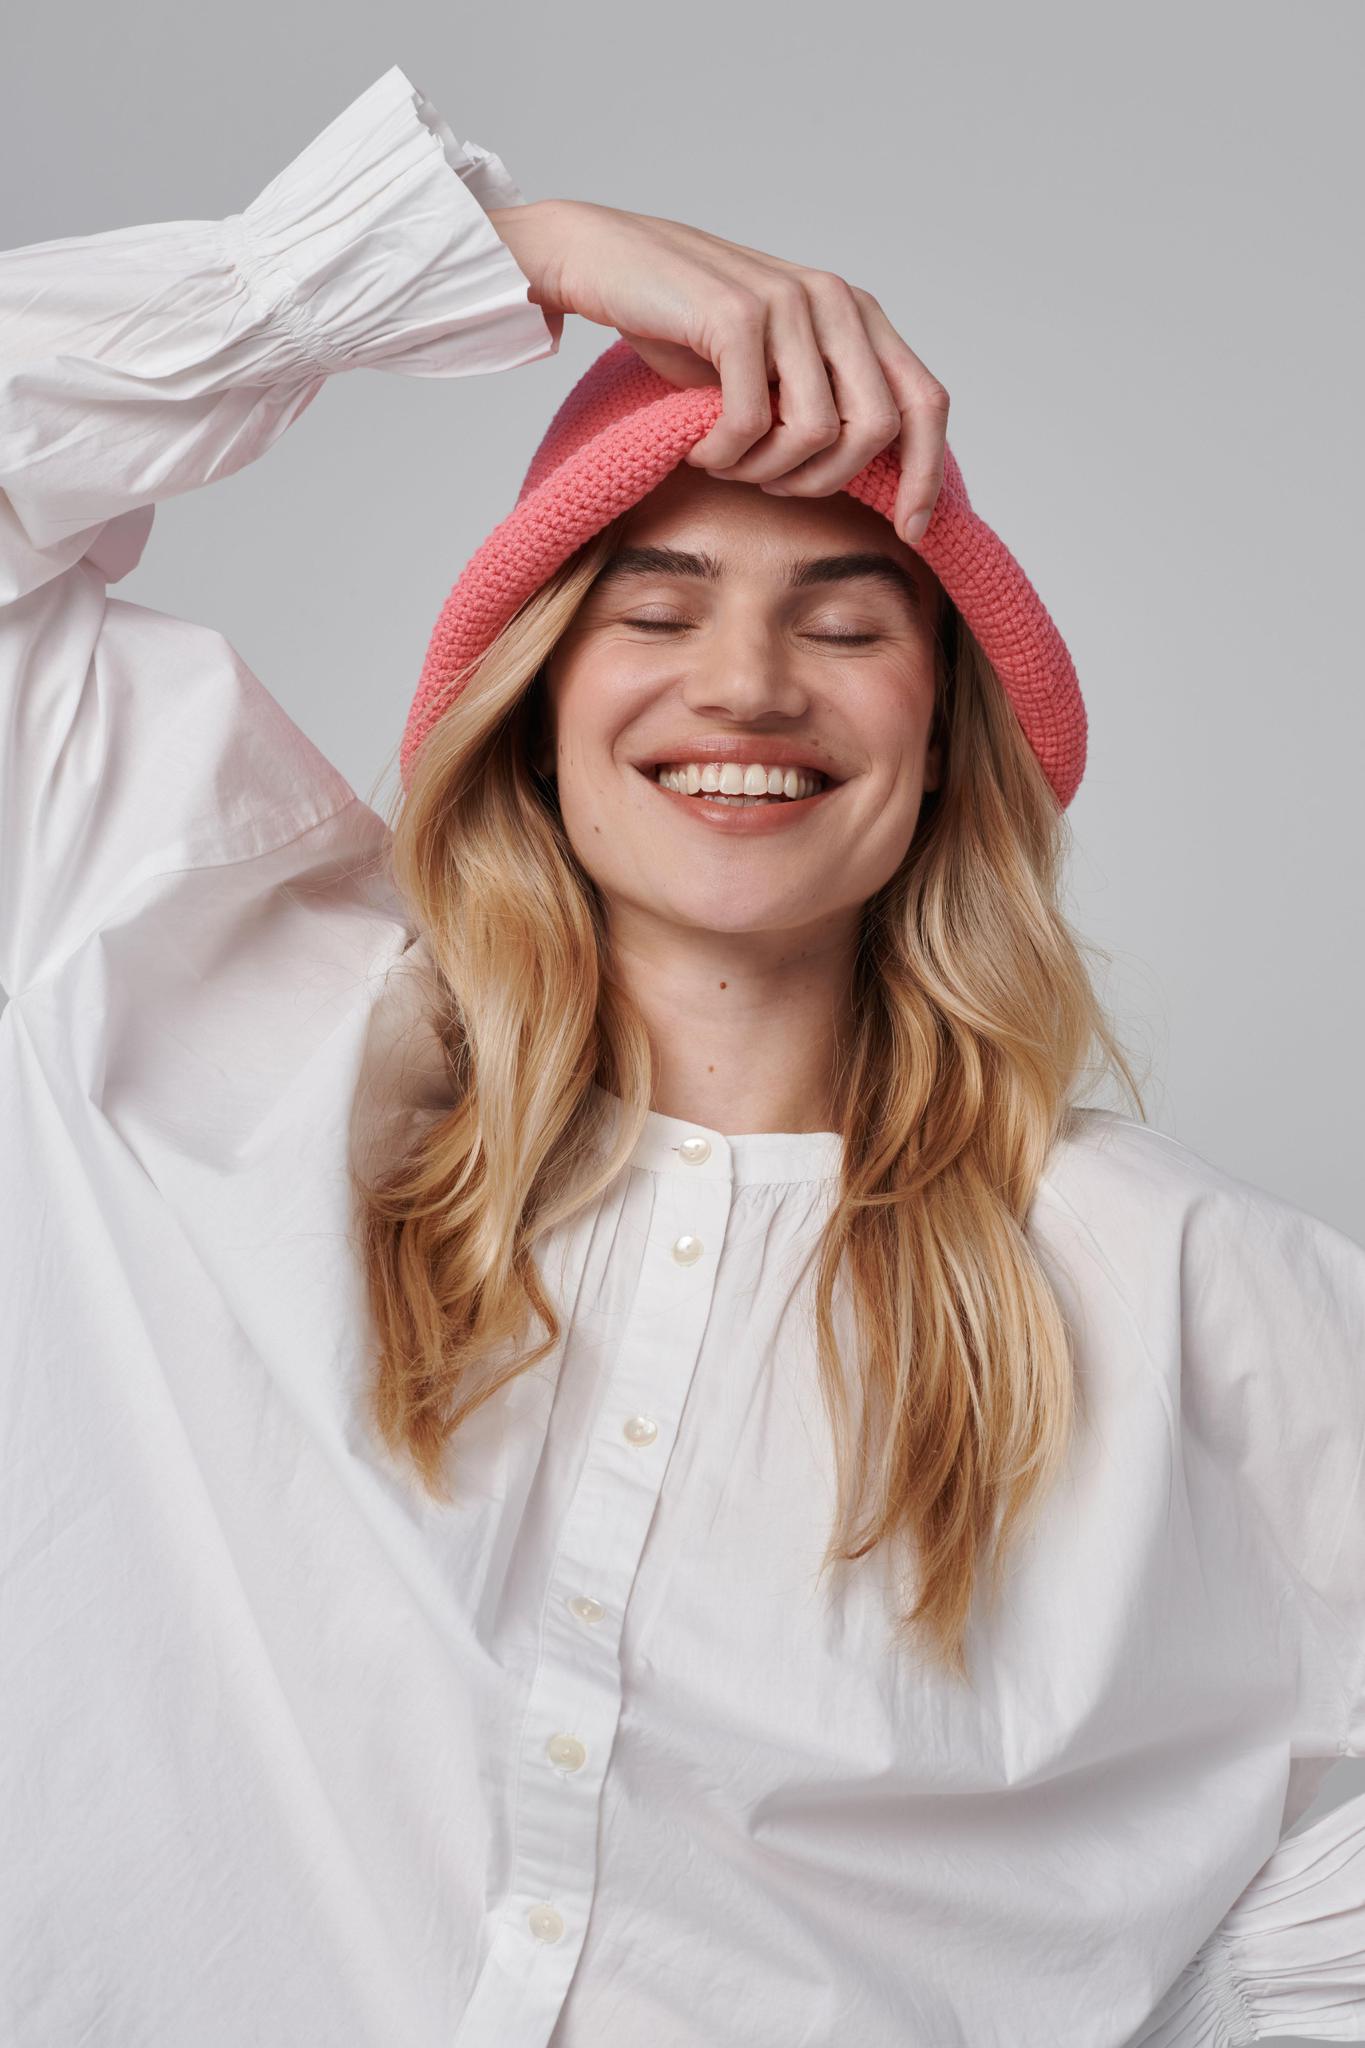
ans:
(808, 416)
(868, 411)
(923, 437)
(735, 342)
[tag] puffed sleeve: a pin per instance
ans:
(1287, 1961)
(1273, 1387)
(1273, 1384)
(145, 362)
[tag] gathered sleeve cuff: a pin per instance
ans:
(1287, 1961)
(369, 253)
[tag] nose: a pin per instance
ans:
(740, 671)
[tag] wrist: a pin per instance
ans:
(525, 231)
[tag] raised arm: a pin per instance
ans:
(145, 362)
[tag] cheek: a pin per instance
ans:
(592, 702)
(898, 739)
(605, 805)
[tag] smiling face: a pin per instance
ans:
(772, 632)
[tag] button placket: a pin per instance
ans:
(575, 1699)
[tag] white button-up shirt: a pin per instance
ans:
(292, 1754)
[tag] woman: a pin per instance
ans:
(596, 1450)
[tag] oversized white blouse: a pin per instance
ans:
(292, 1755)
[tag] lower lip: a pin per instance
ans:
(744, 818)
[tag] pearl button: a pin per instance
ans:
(640, 1430)
(586, 1608)
(567, 1752)
(694, 1150)
(545, 1923)
(687, 1249)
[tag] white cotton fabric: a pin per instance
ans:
(276, 1728)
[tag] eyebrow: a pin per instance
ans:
(801, 574)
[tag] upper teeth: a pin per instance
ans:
(732, 778)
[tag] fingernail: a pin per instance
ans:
(915, 526)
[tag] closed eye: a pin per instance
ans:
(680, 625)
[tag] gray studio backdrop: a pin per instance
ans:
(1122, 238)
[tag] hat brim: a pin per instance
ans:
(608, 468)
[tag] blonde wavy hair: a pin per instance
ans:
(974, 1021)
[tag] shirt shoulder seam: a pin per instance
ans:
(1301, 1591)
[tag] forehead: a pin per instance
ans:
(751, 533)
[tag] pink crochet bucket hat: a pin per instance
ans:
(618, 433)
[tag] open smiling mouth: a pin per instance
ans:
(730, 811)
(798, 786)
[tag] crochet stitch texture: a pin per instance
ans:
(618, 433)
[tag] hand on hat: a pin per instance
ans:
(702, 310)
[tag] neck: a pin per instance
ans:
(745, 1026)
